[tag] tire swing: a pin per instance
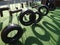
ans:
(44, 10)
(31, 17)
(50, 4)
(51, 7)
(6, 38)
(7, 30)
(38, 17)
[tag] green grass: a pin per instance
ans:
(46, 32)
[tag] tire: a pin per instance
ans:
(39, 18)
(52, 7)
(31, 17)
(45, 7)
(7, 30)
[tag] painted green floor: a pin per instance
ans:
(46, 32)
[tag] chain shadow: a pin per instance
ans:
(57, 22)
(10, 19)
(32, 40)
(1, 25)
(45, 37)
(51, 27)
(55, 12)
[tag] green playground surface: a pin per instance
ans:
(46, 32)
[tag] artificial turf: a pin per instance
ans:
(46, 32)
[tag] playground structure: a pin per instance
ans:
(30, 11)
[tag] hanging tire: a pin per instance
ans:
(31, 17)
(40, 9)
(39, 17)
(7, 30)
(51, 7)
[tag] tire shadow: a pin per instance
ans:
(17, 43)
(45, 37)
(32, 40)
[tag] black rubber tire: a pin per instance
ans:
(51, 7)
(32, 17)
(39, 18)
(7, 30)
(47, 10)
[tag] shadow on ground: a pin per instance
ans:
(1, 25)
(32, 40)
(56, 20)
(45, 37)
